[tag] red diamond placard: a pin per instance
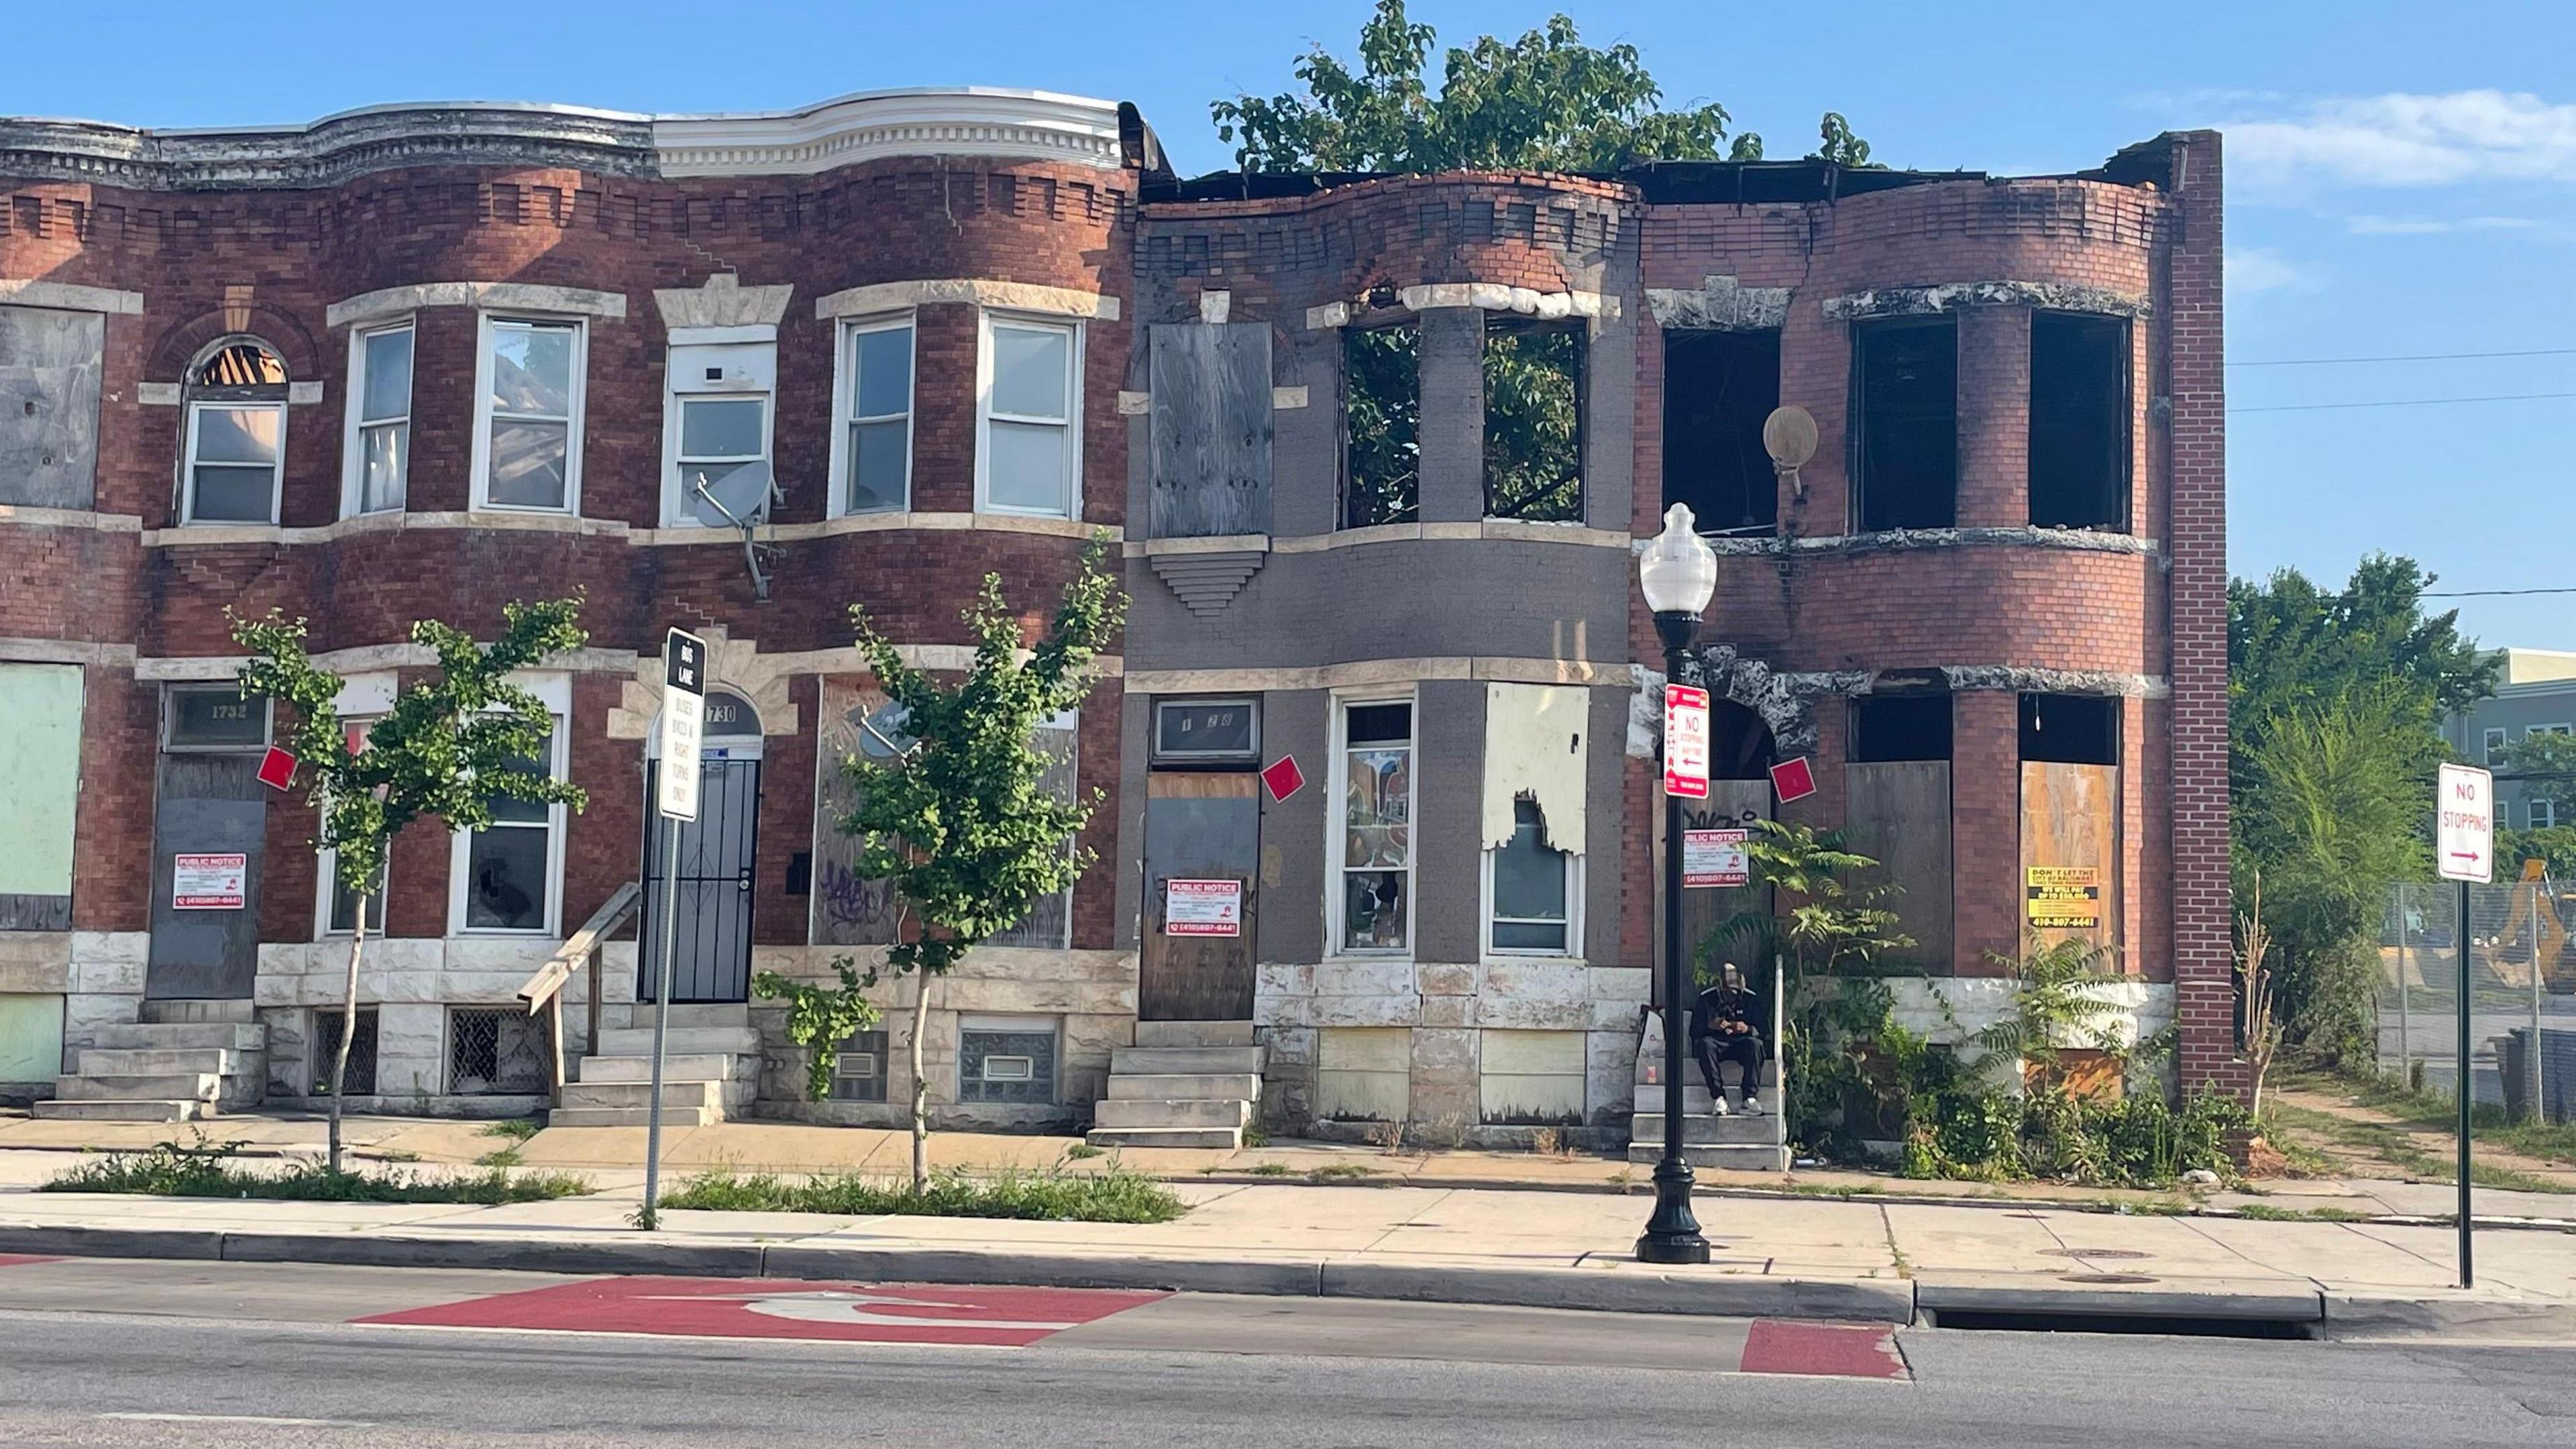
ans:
(1283, 777)
(1794, 779)
(276, 769)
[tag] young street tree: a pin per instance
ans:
(448, 748)
(1544, 102)
(962, 824)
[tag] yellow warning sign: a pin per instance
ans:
(2064, 897)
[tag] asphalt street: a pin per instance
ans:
(218, 1355)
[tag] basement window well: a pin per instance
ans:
(1719, 387)
(1533, 420)
(1905, 430)
(1381, 425)
(2079, 421)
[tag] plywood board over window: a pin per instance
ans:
(2070, 853)
(39, 790)
(50, 363)
(849, 909)
(1898, 814)
(1211, 429)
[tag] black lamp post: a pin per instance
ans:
(1678, 573)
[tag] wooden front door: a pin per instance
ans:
(1199, 827)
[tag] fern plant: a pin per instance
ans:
(2053, 1006)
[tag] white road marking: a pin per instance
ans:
(836, 1306)
(260, 1419)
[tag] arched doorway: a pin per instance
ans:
(712, 892)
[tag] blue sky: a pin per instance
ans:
(2402, 177)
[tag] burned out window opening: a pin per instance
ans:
(1887, 729)
(1533, 420)
(2079, 421)
(236, 435)
(1531, 890)
(1718, 389)
(1381, 425)
(1905, 429)
(2070, 729)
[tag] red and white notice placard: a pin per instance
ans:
(1686, 741)
(209, 882)
(2464, 824)
(1202, 908)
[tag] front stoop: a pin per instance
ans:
(710, 1068)
(1183, 1084)
(1736, 1141)
(162, 1071)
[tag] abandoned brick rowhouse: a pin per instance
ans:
(1376, 454)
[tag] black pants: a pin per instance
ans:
(1742, 1048)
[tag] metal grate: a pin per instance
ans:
(861, 1074)
(498, 1051)
(361, 1079)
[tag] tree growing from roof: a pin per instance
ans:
(450, 746)
(1544, 102)
(961, 822)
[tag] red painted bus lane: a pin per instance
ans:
(769, 1308)
(1841, 1350)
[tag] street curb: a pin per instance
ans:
(2363, 1316)
(1934, 1297)
(1598, 1289)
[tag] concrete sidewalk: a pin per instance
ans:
(1816, 1258)
(785, 1147)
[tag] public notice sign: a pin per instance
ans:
(2464, 824)
(1715, 858)
(684, 704)
(209, 882)
(1202, 908)
(2063, 897)
(1686, 741)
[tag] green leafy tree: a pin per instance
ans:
(962, 824)
(1544, 102)
(450, 746)
(2546, 765)
(1837, 144)
(1533, 424)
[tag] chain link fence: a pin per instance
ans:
(2522, 993)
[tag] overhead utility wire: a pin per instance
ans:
(2403, 357)
(2401, 402)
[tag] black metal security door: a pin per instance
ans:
(713, 926)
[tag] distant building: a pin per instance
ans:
(2535, 695)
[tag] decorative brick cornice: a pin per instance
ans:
(966, 121)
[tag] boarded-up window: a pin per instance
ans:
(1381, 425)
(1718, 389)
(1364, 1073)
(1211, 429)
(1896, 793)
(849, 910)
(49, 385)
(39, 788)
(1533, 1078)
(2079, 421)
(1049, 923)
(1533, 420)
(2070, 818)
(1905, 434)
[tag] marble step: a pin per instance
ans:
(637, 1041)
(1729, 1157)
(1114, 1112)
(1218, 1137)
(180, 1035)
(1735, 1130)
(1139, 1086)
(167, 1086)
(58, 1109)
(632, 1116)
(676, 1067)
(161, 1061)
(639, 1095)
(1194, 1033)
(1187, 1060)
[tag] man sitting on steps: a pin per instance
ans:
(1722, 1030)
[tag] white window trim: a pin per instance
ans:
(188, 465)
(674, 514)
(554, 691)
(2539, 731)
(1017, 1026)
(364, 699)
(353, 450)
(845, 392)
(1338, 794)
(985, 416)
(1573, 948)
(2493, 740)
(576, 422)
(2534, 811)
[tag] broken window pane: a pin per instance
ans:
(2070, 729)
(1719, 388)
(1533, 421)
(1529, 886)
(1377, 826)
(2079, 421)
(1905, 397)
(1381, 424)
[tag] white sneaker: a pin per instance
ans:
(1752, 1105)
(1717, 1104)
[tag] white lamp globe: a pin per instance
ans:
(1677, 571)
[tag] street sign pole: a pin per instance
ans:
(2464, 851)
(684, 690)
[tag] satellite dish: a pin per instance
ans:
(741, 496)
(1789, 436)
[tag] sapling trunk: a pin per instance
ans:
(920, 1087)
(348, 1030)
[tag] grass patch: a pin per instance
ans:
(517, 1129)
(2549, 1141)
(2266, 1213)
(1082, 1151)
(1092, 1197)
(499, 1157)
(2394, 1145)
(204, 1169)
(1831, 1189)
(1340, 1172)
(1271, 1169)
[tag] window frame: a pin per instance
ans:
(1856, 462)
(484, 415)
(2495, 738)
(188, 463)
(460, 853)
(1072, 328)
(2543, 731)
(1336, 830)
(845, 401)
(170, 715)
(355, 425)
(2541, 814)
(327, 884)
(1249, 757)
(1573, 920)
(987, 1025)
(676, 512)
